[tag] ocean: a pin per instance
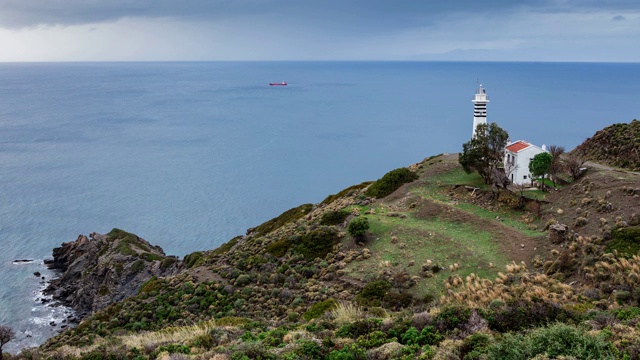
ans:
(188, 155)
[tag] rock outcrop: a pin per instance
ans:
(103, 269)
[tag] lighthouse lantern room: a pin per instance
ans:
(479, 108)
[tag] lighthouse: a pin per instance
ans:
(479, 108)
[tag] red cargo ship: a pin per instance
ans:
(284, 83)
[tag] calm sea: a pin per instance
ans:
(188, 155)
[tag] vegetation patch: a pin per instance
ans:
(318, 243)
(318, 309)
(390, 182)
(284, 218)
(153, 284)
(334, 217)
(373, 293)
(224, 248)
(193, 259)
(279, 247)
(626, 241)
(346, 192)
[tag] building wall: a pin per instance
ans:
(520, 167)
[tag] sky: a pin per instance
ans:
(409, 30)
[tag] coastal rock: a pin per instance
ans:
(98, 271)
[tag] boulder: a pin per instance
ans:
(558, 233)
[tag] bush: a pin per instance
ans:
(153, 284)
(279, 247)
(519, 315)
(390, 182)
(318, 243)
(318, 309)
(373, 293)
(243, 280)
(358, 227)
(284, 218)
(553, 341)
(310, 350)
(452, 317)
(626, 241)
(331, 198)
(359, 328)
(192, 259)
(334, 217)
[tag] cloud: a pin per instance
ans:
(618, 18)
(124, 30)
(371, 14)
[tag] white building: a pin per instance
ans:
(517, 156)
(479, 108)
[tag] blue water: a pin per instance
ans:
(188, 155)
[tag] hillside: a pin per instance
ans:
(616, 145)
(446, 270)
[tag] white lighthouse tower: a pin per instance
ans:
(479, 108)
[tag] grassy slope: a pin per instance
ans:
(433, 222)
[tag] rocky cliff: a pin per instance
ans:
(102, 269)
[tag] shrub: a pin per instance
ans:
(310, 350)
(226, 246)
(359, 328)
(284, 218)
(349, 352)
(153, 284)
(192, 259)
(358, 227)
(334, 217)
(451, 317)
(626, 241)
(518, 315)
(374, 339)
(331, 198)
(390, 182)
(279, 247)
(428, 336)
(318, 243)
(373, 293)
(137, 266)
(318, 309)
(167, 262)
(627, 313)
(553, 341)
(475, 345)
(243, 280)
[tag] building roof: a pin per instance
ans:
(518, 146)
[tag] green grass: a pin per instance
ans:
(535, 194)
(437, 185)
(509, 218)
(442, 242)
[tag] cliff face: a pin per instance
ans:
(616, 145)
(103, 269)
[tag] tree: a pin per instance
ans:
(358, 227)
(540, 165)
(556, 166)
(6, 335)
(574, 165)
(485, 152)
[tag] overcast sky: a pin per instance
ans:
(141, 30)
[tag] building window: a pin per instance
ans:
(524, 177)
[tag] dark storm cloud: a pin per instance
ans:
(369, 14)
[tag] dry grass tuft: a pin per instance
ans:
(346, 312)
